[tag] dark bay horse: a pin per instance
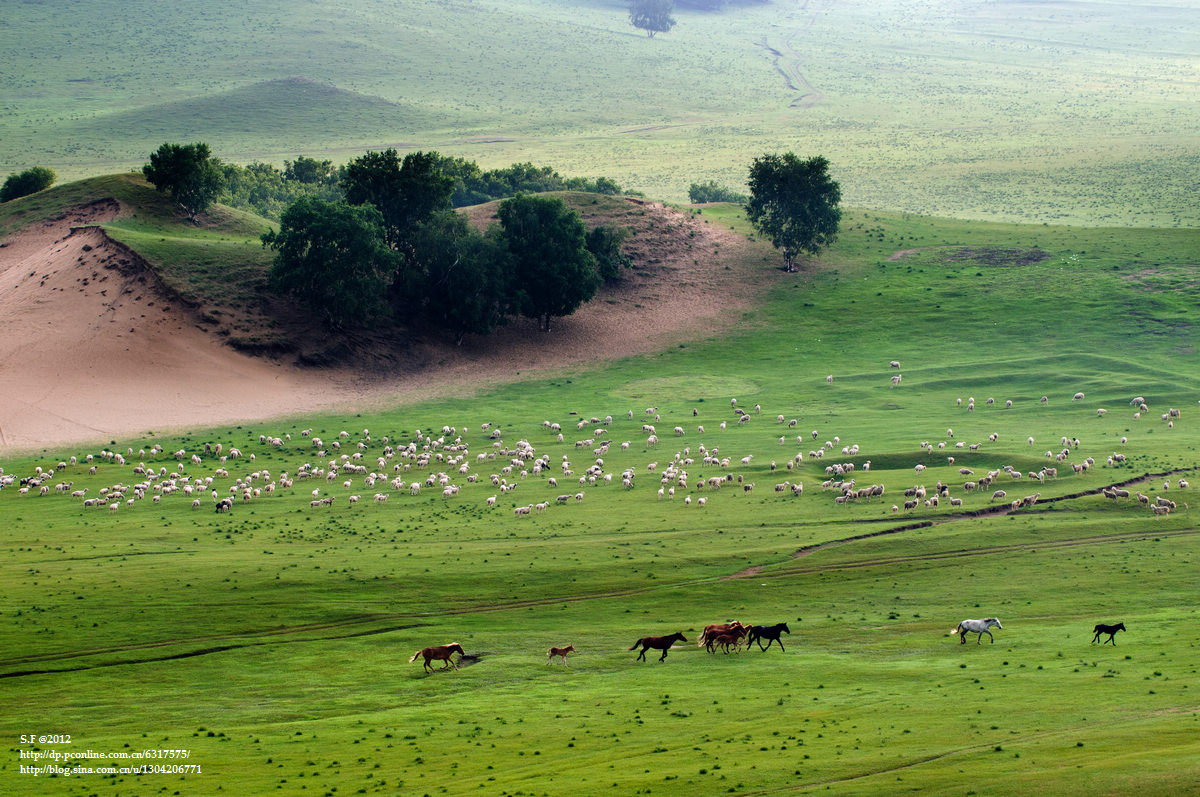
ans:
(768, 632)
(1111, 630)
(662, 643)
(439, 653)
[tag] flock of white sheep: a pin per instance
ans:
(450, 460)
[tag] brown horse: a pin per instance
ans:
(713, 630)
(727, 640)
(439, 653)
(562, 652)
(662, 643)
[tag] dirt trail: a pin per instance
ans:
(789, 61)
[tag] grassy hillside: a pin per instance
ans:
(1065, 113)
(272, 642)
(218, 268)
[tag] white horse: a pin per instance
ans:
(976, 627)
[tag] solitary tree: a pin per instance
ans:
(551, 270)
(652, 16)
(30, 181)
(794, 203)
(188, 173)
(332, 257)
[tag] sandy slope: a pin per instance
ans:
(90, 350)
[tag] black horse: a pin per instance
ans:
(768, 632)
(662, 643)
(1111, 630)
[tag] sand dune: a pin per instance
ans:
(91, 348)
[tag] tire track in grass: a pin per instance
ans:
(268, 632)
(998, 509)
(788, 64)
(188, 654)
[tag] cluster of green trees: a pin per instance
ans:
(379, 237)
(30, 181)
(394, 247)
(390, 244)
(268, 191)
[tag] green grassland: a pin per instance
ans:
(1069, 113)
(273, 642)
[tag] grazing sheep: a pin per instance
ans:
(896, 380)
(829, 379)
(895, 364)
(999, 494)
(1077, 397)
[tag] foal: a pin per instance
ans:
(562, 652)
(1111, 630)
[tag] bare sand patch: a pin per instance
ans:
(92, 347)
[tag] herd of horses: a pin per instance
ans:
(731, 636)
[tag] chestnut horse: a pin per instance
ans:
(560, 652)
(439, 653)
(727, 639)
(662, 643)
(713, 630)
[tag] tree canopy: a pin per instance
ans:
(309, 170)
(332, 256)
(652, 16)
(30, 181)
(604, 242)
(551, 270)
(405, 192)
(794, 203)
(189, 173)
(458, 274)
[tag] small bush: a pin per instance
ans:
(30, 181)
